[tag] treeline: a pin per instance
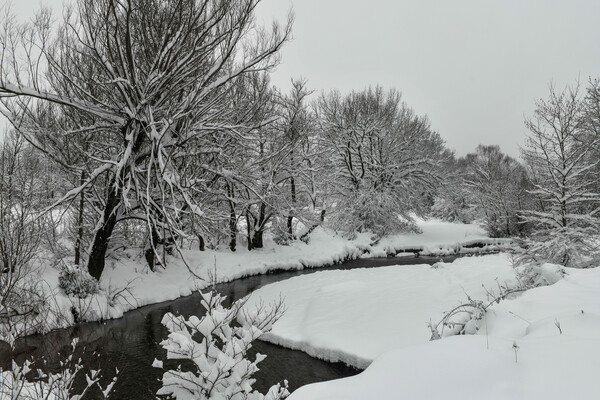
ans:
(157, 135)
(156, 123)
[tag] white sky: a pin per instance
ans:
(474, 66)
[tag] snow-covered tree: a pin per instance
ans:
(255, 163)
(152, 75)
(451, 200)
(565, 175)
(217, 349)
(378, 145)
(22, 230)
(300, 181)
(496, 184)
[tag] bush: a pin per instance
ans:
(220, 368)
(77, 282)
(17, 382)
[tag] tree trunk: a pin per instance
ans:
(313, 227)
(232, 231)
(290, 218)
(248, 231)
(151, 252)
(290, 225)
(113, 201)
(104, 232)
(257, 239)
(232, 220)
(79, 240)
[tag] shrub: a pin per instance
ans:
(570, 247)
(27, 382)
(77, 282)
(220, 369)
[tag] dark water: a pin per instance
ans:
(132, 343)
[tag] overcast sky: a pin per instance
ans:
(475, 67)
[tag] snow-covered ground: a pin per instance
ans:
(363, 315)
(438, 238)
(356, 315)
(325, 248)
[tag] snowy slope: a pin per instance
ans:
(549, 365)
(356, 315)
(437, 238)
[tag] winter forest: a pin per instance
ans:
(173, 225)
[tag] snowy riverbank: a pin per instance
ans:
(355, 316)
(363, 315)
(324, 248)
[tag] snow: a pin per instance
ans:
(439, 238)
(324, 248)
(340, 315)
(462, 368)
(377, 318)
(354, 316)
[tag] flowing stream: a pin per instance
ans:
(132, 343)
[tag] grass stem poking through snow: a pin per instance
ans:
(557, 323)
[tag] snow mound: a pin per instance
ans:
(548, 364)
(354, 316)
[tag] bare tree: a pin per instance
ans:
(152, 76)
(297, 128)
(558, 153)
(21, 232)
(384, 158)
(496, 184)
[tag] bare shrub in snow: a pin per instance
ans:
(465, 319)
(27, 382)
(220, 369)
(568, 246)
(533, 274)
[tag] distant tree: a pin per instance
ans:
(559, 153)
(262, 160)
(451, 200)
(497, 185)
(591, 116)
(22, 230)
(383, 158)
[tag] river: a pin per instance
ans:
(132, 343)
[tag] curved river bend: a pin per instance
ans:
(131, 343)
